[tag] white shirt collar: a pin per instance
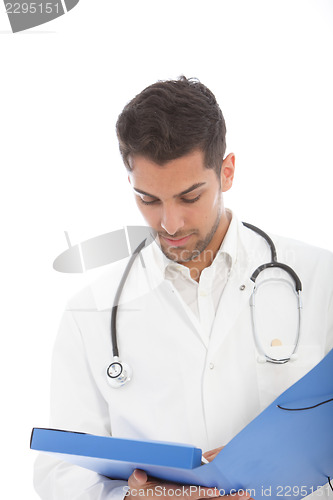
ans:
(228, 249)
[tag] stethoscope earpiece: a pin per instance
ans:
(118, 373)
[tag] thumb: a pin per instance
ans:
(138, 478)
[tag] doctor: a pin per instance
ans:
(198, 369)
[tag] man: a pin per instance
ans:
(184, 315)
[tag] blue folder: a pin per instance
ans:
(286, 451)
(116, 457)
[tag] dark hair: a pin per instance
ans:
(170, 119)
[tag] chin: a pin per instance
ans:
(179, 256)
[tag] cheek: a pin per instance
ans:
(211, 206)
(216, 205)
(210, 210)
(150, 215)
(217, 199)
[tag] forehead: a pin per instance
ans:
(173, 177)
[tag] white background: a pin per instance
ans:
(62, 87)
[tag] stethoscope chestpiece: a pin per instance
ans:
(118, 373)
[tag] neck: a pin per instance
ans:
(199, 263)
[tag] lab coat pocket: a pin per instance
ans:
(273, 379)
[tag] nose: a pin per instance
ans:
(172, 219)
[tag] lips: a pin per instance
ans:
(176, 242)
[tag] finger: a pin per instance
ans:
(210, 457)
(137, 478)
(214, 452)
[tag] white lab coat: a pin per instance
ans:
(186, 387)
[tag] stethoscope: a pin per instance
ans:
(118, 372)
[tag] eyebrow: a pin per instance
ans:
(192, 188)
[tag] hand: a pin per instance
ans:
(140, 487)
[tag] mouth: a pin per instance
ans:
(173, 242)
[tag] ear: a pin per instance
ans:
(227, 172)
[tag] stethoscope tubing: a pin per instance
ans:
(254, 323)
(273, 263)
(115, 350)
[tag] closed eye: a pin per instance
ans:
(191, 200)
(148, 202)
(184, 200)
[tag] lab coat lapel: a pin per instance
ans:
(233, 301)
(236, 294)
(183, 309)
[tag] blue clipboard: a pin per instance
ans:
(286, 451)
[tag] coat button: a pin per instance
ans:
(211, 366)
